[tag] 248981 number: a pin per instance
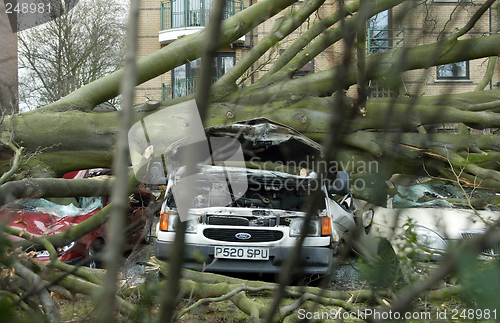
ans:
(27, 7)
(471, 314)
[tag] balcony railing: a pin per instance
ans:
(181, 87)
(193, 13)
(380, 89)
(380, 40)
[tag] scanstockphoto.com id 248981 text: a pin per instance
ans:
(458, 314)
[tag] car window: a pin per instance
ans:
(437, 195)
(91, 203)
(84, 206)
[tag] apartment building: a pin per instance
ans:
(409, 24)
(162, 22)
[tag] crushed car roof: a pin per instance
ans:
(265, 145)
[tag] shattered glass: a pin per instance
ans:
(435, 195)
(44, 206)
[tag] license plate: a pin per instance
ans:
(251, 253)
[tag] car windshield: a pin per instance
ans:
(441, 195)
(61, 207)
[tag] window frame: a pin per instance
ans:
(387, 16)
(454, 77)
(190, 75)
(219, 72)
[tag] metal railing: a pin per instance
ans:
(192, 13)
(380, 89)
(180, 87)
(380, 40)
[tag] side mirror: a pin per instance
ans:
(341, 185)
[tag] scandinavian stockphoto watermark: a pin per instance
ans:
(319, 169)
(318, 166)
(456, 314)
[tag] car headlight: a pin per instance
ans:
(66, 248)
(168, 222)
(297, 225)
(427, 238)
(60, 250)
(42, 253)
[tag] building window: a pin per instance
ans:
(380, 38)
(379, 33)
(223, 63)
(189, 13)
(185, 77)
(380, 89)
(193, 13)
(453, 71)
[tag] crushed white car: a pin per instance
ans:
(423, 221)
(250, 223)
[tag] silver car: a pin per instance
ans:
(424, 220)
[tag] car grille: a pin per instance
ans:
(229, 235)
(468, 235)
(227, 220)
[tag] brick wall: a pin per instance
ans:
(425, 24)
(149, 26)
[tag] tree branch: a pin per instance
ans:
(30, 188)
(331, 36)
(43, 294)
(282, 27)
(490, 70)
(177, 53)
(472, 22)
(223, 297)
(114, 244)
(15, 164)
(308, 36)
(321, 83)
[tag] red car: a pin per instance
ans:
(42, 217)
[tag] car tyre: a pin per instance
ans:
(94, 255)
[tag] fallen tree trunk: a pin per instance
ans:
(53, 187)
